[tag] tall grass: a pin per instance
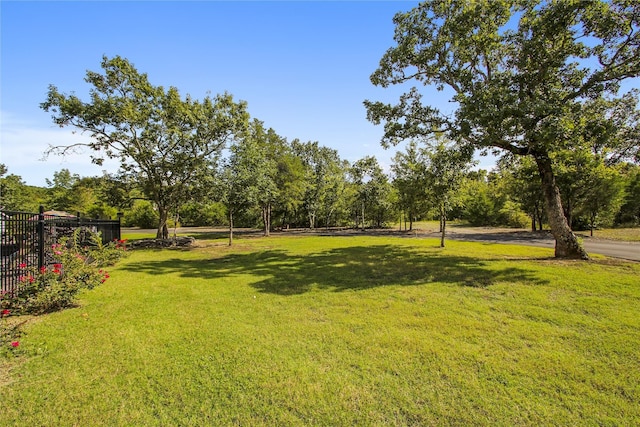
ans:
(338, 331)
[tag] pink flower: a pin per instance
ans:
(14, 344)
(43, 269)
(23, 265)
(6, 312)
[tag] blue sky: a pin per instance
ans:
(302, 67)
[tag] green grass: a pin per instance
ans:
(338, 331)
(624, 234)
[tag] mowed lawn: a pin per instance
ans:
(337, 331)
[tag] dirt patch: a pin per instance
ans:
(177, 242)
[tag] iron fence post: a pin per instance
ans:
(41, 238)
(118, 233)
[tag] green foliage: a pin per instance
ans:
(63, 194)
(15, 195)
(81, 259)
(522, 184)
(512, 216)
(326, 193)
(141, 215)
(164, 142)
(629, 212)
(479, 205)
(198, 214)
(374, 200)
(410, 179)
(523, 82)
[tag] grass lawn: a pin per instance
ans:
(624, 234)
(337, 331)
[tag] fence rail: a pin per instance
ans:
(26, 240)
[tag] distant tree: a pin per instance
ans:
(520, 74)
(165, 142)
(248, 176)
(64, 194)
(257, 151)
(629, 213)
(479, 206)
(604, 198)
(523, 186)
(141, 214)
(448, 165)
(410, 179)
(15, 195)
(575, 170)
(291, 183)
(373, 191)
(325, 178)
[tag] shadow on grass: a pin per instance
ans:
(341, 269)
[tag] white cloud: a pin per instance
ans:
(23, 144)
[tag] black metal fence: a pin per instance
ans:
(27, 239)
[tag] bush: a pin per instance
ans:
(81, 259)
(195, 214)
(512, 216)
(142, 215)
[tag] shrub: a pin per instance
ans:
(81, 259)
(141, 215)
(512, 216)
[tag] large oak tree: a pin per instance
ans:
(166, 142)
(520, 72)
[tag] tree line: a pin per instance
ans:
(277, 184)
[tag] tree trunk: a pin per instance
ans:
(230, 227)
(329, 218)
(266, 219)
(312, 220)
(539, 214)
(567, 244)
(163, 230)
(362, 216)
(443, 225)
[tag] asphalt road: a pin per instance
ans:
(611, 248)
